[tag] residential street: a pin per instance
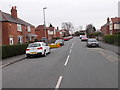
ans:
(71, 66)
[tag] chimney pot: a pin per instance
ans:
(108, 20)
(14, 12)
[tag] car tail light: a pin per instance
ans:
(27, 49)
(40, 48)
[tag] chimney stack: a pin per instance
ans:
(14, 12)
(108, 20)
(57, 28)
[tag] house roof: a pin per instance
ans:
(105, 24)
(8, 18)
(51, 28)
(115, 20)
(63, 30)
(40, 27)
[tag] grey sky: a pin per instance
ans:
(79, 12)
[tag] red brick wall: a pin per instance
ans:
(10, 29)
(5, 35)
(105, 30)
(41, 33)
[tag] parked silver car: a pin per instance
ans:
(37, 49)
(60, 41)
(92, 42)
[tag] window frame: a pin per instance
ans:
(21, 39)
(19, 27)
(28, 29)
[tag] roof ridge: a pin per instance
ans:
(3, 16)
(8, 17)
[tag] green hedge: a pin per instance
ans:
(112, 39)
(13, 50)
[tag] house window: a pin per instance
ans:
(29, 29)
(19, 39)
(19, 27)
(11, 40)
(116, 26)
(111, 27)
(50, 32)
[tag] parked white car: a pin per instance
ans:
(37, 49)
(92, 42)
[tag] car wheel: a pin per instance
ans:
(44, 53)
(49, 51)
(28, 56)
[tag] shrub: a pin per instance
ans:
(112, 39)
(13, 50)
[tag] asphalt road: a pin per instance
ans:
(72, 66)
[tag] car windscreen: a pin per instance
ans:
(58, 41)
(84, 36)
(34, 45)
(92, 40)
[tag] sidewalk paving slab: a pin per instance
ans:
(13, 59)
(109, 47)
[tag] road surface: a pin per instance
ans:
(72, 66)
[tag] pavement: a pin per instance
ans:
(11, 60)
(72, 66)
(110, 47)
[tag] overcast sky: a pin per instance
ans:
(79, 12)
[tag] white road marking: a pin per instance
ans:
(70, 50)
(58, 83)
(67, 60)
(71, 47)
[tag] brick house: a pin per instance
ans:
(50, 32)
(15, 30)
(105, 28)
(111, 27)
(57, 33)
(40, 32)
(64, 32)
(114, 25)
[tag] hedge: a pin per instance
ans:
(112, 39)
(13, 50)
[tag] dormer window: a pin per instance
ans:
(29, 29)
(19, 27)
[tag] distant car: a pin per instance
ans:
(37, 49)
(66, 39)
(92, 42)
(80, 36)
(60, 41)
(70, 37)
(84, 38)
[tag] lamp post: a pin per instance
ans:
(44, 20)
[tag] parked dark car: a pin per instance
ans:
(92, 42)
(60, 41)
(44, 39)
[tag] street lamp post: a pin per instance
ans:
(44, 20)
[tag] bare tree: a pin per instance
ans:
(90, 28)
(67, 26)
